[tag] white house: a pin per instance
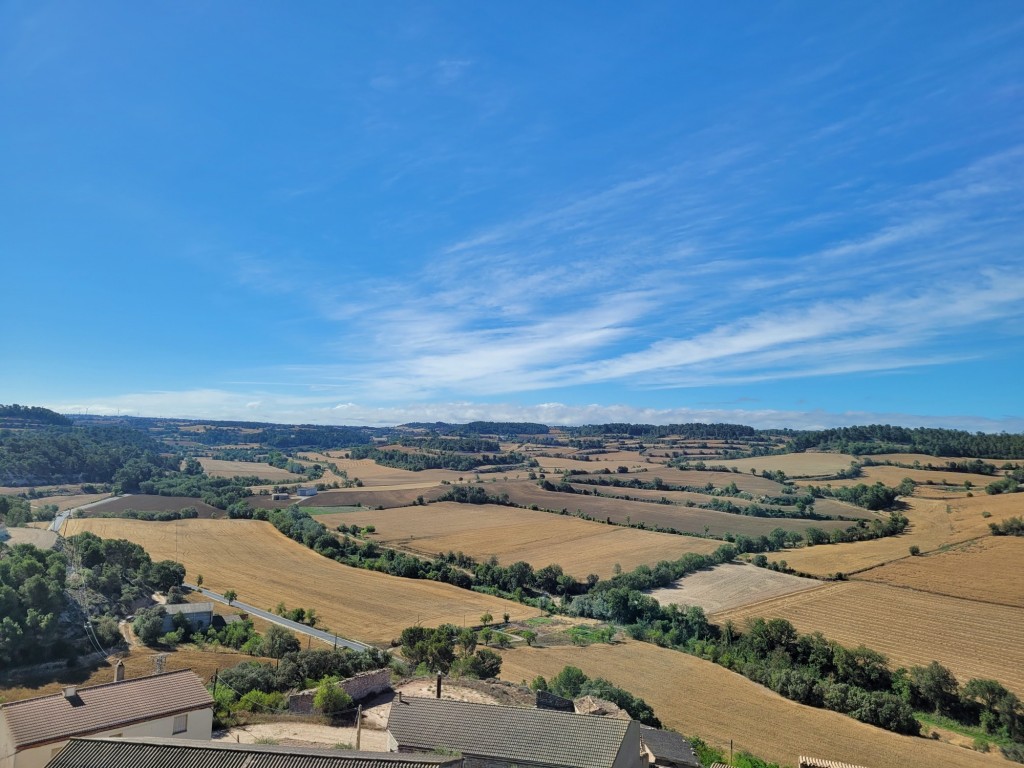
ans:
(172, 704)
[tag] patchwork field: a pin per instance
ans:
(754, 484)
(581, 547)
(989, 569)
(372, 498)
(699, 698)
(373, 475)
(924, 459)
(687, 519)
(145, 503)
(265, 567)
(893, 476)
(221, 468)
(731, 586)
(933, 523)
(973, 639)
(796, 464)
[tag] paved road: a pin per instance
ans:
(327, 637)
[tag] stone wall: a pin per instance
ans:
(359, 687)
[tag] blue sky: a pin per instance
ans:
(793, 214)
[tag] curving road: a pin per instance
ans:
(327, 637)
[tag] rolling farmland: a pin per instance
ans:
(149, 503)
(222, 468)
(265, 568)
(810, 464)
(731, 586)
(989, 569)
(973, 639)
(581, 547)
(700, 698)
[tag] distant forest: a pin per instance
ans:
(883, 438)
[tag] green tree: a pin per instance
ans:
(330, 698)
(278, 641)
(149, 623)
(230, 595)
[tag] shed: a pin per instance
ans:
(199, 615)
(667, 749)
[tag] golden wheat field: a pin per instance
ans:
(933, 523)
(936, 461)
(910, 627)
(700, 698)
(264, 568)
(809, 464)
(990, 569)
(373, 475)
(222, 468)
(581, 547)
(893, 476)
(730, 586)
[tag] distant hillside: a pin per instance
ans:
(15, 416)
(884, 438)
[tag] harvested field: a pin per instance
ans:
(375, 476)
(221, 468)
(147, 503)
(686, 519)
(893, 476)
(69, 502)
(38, 537)
(265, 568)
(699, 478)
(973, 639)
(373, 498)
(936, 461)
(796, 464)
(581, 547)
(730, 586)
(700, 698)
(931, 527)
(988, 570)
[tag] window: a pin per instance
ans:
(180, 724)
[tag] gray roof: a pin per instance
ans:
(668, 746)
(99, 708)
(173, 608)
(510, 733)
(185, 753)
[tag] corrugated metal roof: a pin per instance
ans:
(668, 746)
(102, 707)
(184, 753)
(510, 733)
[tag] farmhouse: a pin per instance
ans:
(172, 704)
(306, 492)
(667, 749)
(493, 736)
(108, 752)
(198, 615)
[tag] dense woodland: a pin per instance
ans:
(883, 438)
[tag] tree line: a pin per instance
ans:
(884, 438)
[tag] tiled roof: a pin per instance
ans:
(509, 733)
(817, 762)
(184, 753)
(668, 746)
(102, 707)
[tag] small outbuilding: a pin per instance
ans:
(667, 749)
(306, 492)
(199, 615)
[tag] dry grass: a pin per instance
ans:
(375, 476)
(148, 503)
(754, 484)
(265, 568)
(222, 468)
(69, 502)
(973, 639)
(893, 476)
(796, 464)
(730, 586)
(987, 569)
(686, 519)
(934, 523)
(700, 698)
(540, 538)
(936, 461)
(39, 537)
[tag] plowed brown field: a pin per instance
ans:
(910, 627)
(730, 586)
(699, 698)
(581, 547)
(265, 568)
(989, 570)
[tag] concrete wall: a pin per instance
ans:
(200, 727)
(358, 687)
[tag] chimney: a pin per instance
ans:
(399, 697)
(439, 685)
(70, 692)
(119, 671)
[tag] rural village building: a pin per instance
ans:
(667, 749)
(495, 736)
(149, 752)
(199, 615)
(306, 492)
(172, 704)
